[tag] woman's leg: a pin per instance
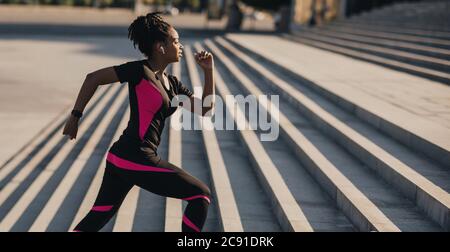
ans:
(186, 187)
(165, 179)
(111, 195)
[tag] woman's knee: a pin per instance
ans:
(202, 191)
(205, 191)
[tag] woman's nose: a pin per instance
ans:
(181, 46)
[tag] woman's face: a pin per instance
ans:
(173, 47)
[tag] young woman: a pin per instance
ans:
(133, 159)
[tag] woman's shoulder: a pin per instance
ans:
(130, 65)
(129, 71)
(133, 62)
(138, 62)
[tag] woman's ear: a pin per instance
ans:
(160, 47)
(157, 47)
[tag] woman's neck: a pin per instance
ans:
(157, 66)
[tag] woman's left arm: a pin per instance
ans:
(206, 61)
(208, 97)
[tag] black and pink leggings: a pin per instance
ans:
(157, 176)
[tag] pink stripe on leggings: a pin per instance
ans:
(198, 196)
(190, 224)
(128, 165)
(101, 208)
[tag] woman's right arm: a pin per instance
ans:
(91, 82)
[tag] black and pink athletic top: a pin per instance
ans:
(133, 159)
(149, 106)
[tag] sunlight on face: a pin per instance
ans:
(174, 45)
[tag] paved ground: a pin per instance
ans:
(41, 76)
(41, 73)
(109, 17)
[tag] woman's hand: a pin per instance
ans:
(71, 127)
(205, 60)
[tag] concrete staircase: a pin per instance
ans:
(345, 160)
(409, 37)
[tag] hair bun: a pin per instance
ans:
(154, 18)
(144, 31)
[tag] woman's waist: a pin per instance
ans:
(135, 152)
(135, 144)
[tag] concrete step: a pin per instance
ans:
(317, 208)
(225, 202)
(425, 15)
(17, 178)
(252, 204)
(389, 63)
(348, 101)
(192, 160)
(420, 40)
(395, 28)
(174, 209)
(435, 21)
(289, 213)
(60, 193)
(348, 197)
(430, 51)
(125, 215)
(359, 139)
(128, 208)
(436, 25)
(432, 63)
(28, 151)
(18, 168)
(58, 164)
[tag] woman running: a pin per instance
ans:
(133, 159)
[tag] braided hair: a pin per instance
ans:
(146, 30)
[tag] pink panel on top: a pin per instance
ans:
(149, 101)
(128, 165)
